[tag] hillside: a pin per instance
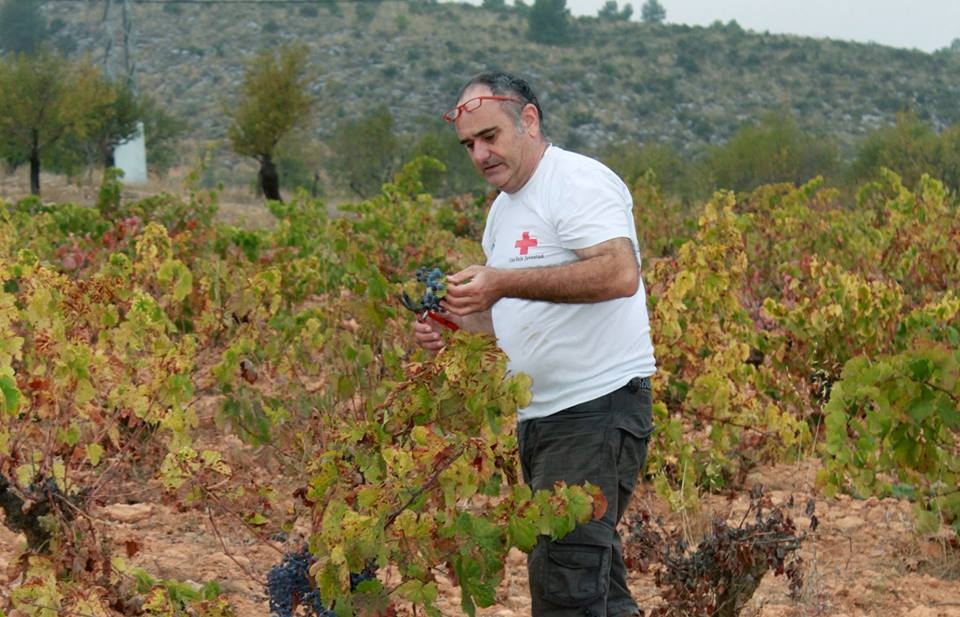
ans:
(641, 83)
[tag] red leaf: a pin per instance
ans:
(248, 371)
(599, 505)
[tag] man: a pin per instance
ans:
(561, 291)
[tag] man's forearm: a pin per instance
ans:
(594, 279)
(602, 272)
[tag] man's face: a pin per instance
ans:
(504, 156)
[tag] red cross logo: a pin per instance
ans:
(525, 242)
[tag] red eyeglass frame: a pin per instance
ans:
(452, 114)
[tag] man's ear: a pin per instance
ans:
(529, 117)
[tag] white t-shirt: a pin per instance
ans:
(573, 352)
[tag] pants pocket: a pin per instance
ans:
(575, 574)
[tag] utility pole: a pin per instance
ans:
(124, 31)
(130, 156)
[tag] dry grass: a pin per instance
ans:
(238, 205)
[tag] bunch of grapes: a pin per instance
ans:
(289, 585)
(436, 287)
(368, 572)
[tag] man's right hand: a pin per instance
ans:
(429, 335)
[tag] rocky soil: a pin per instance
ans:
(863, 559)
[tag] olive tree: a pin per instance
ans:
(274, 100)
(46, 99)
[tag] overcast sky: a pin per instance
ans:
(927, 25)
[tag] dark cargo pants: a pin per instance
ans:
(604, 442)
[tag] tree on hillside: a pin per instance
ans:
(771, 151)
(44, 99)
(274, 100)
(22, 26)
(948, 158)
(909, 147)
(366, 152)
(458, 176)
(116, 125)
(611, 12)
(548, 21)
(653, 12)
(162, 132)
(632, 161)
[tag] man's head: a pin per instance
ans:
(499, 121)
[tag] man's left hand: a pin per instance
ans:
(471, 290)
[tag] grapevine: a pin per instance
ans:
(26, 512)
(725, 569)
(119, 336)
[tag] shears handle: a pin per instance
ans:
(440, 320)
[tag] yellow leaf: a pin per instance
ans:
(94, 453)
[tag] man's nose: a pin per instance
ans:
(480, 152)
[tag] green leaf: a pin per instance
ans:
(920, 369)
(11, 395)
(368, 496)
(522, 533)
(174, 272)
(257, 519)
(70, 435)
(949, 413)
(84, 391)
(418, 592)
(377, 286)
(836, 423)
(922, 407)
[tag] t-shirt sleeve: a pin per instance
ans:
(486, 242)
(592, 206)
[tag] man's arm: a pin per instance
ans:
(602, 272)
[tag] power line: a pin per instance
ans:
(276, 2)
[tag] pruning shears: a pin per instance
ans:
(425, 312)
